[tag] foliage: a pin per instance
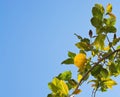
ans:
(102, 62)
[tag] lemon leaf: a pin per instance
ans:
(65, 75)
(104, 73)
(109, 8)
(68, 61)
(64, 88)
(97, 13)
(99, 41)
(79, 77)
(71, 54)
(58, 87)
(53, 86)
(73, 83)
(96, 22)
(96, 71)
(110, 83)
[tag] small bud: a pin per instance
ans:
(90, 33)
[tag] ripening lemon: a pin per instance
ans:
(80, 60)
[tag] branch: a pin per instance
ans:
(95, 64)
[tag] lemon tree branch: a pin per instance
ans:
(95, 64)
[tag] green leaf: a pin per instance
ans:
(110, 29)
(63, 87)
(65, 75)
(53, 85)
(99, 6)
(115, 41)
(109, 21)
(78, 36)
(100, 30)
(96, 22)
(109, 83)
(109, 8)
(68, 61)
(96, 71)
(118, 67)
(113, 69)
(50, 95)
(86, 40)
(71, 54)
(104, 73)
(118, 47)
(83, 46)
(99, 41)
(73, 83)
(94, 52)
(97, 13)
(69, 85)
(58, 87)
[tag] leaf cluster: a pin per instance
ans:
(103, 57)
(62, 84)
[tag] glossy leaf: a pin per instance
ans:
(78, 36)
(110, 29)
(73, 83)
(65, 75)
(86, 40)
(115, 41)
(118, 47)
(109, 21)
(83, 46)
(94, 52)
(71, 54)
(53, 85)
(79, 77)
(113, 69)
(97, 13)
(118, 67)
(96, 71)
(96, 22)
(109, 8)
(99, 6)
(109, 83)
(104, 73)
(64, 88)
(50, 95)
(68, 61)
(58, 87)
(112, 16)
(99, 41)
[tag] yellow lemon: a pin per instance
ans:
(80, 60)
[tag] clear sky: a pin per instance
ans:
(35, 36)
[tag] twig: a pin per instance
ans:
(95, 64)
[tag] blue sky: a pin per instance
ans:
(35, 36)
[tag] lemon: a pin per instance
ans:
(80, 60)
